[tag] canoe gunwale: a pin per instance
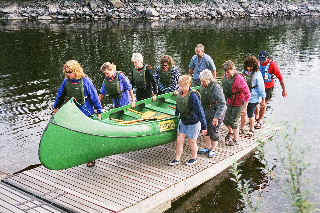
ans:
(107, 136)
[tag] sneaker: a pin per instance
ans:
(211, 154)
(174, 162)
(191, 161)
(203, 151)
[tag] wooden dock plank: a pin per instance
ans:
(16, 201)
(12, 194)
(80, 189)
(81, 176)
(130, 182)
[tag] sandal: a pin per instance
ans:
(242, 132)
(258, 125)
(232, 143)
(91, 164)
(228, 137)
(250, 134)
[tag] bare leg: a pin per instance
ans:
(194, 148)
(214, 144)
(257, 112)
(236, 134)
(251, 123)
(207, 142)
(230, 129)
(179, 145)
(262, 111)
(243, 120)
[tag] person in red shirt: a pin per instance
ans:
(237, 93)
(269, 69)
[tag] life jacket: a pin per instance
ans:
(165, 77)
(227, 86)
(267, 76)
(184, 105)
(113, 86)
(206, 95)
(75, 90)
(140, 77)
(248, 76)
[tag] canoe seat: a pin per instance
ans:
(132, 114)
(160, 109)
(170, 101)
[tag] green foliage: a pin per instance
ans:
(292, 160)
(294, 165)
(243, 187)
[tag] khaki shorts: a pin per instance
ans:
(232, 116)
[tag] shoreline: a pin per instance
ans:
(74, 10)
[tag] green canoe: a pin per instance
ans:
(71, 138)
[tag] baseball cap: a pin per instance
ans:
(263, 55)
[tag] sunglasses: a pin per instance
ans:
(164, 65)
(68, 72)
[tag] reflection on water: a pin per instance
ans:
(32, 55)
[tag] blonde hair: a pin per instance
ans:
(74, 67)
(228, 65)
(108, 66)
(187, 79)
(206, 75)
(137, 57)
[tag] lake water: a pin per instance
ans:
(32, 56)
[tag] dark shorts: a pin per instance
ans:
(269, 92)
(213, 131)
(251, 108)
(232, 116)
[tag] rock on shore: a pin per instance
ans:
(153, 10)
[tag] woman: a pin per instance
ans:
(214, 105)
(117, 86)
(192, 119)
(79, 86)
(142, 78)
(237, 94)
(167, 75)
(255, 83)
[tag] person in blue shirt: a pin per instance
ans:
(200, 62)
(192, 119)
(79, 86)
(167, 75)
(256, 85)
(117, 86)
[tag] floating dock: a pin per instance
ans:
(138, 181)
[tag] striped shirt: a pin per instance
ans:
(161, 88)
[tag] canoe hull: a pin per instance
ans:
(82, 148)
(72, 139)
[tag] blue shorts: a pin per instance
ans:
(191, 130)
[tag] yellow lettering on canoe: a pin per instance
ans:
(167, 125)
